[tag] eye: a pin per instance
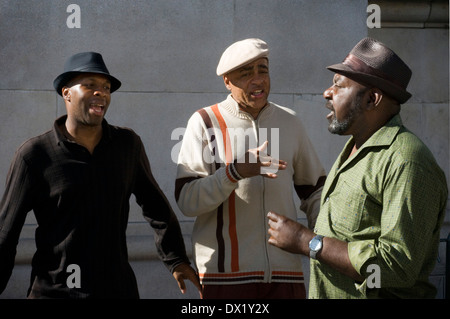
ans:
(88, 84)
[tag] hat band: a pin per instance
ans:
(90, 68)
(359, 66)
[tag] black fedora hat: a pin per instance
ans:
(372, 63)
(84, 62)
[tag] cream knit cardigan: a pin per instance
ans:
(230, 231)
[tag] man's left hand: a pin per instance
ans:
(184, 271)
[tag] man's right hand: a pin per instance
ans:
(257, 162)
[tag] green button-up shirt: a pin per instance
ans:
(388, 202)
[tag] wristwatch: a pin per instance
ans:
(315, 245)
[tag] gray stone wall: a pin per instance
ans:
(165, 52)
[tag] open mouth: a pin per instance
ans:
(97, 109)
(257, 93)
(330, 115)
(329, 106)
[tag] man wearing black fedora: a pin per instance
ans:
(383, 203)
(78, 179)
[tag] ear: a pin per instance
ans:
(66, 93)
(226, 81)
(374, 97)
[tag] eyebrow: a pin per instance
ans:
(250, 67)
(246, 68)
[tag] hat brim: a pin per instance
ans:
(65, 77)
(222, 72)
(391, 89)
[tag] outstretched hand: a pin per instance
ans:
(257, 162)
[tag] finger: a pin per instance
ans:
(269, 175)
(282, 164)
(272, 241)
(262, 147)
(273, 216)
(181, 284)
(195, 280)
(276, 164)
(265, 161)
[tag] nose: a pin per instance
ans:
(258, 78)
(101, 91)
(328, 93)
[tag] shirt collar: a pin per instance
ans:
(60, 137)
(386, 134)
(383, 137)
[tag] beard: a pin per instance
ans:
(342, 126)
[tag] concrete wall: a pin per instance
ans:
(165, 53)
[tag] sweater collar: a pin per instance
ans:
(232, 107)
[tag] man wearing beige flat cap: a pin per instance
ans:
(383, 203)
(239, 159)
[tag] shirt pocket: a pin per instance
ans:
(350, 207)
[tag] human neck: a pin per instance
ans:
(85, 135)
(367, 130)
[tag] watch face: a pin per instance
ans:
(315, 244)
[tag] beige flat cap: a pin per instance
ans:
(240, 53)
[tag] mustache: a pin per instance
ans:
(329, 105)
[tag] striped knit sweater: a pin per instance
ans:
(230, 231)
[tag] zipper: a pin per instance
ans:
(267, 268)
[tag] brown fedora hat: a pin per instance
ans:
(372, 63)
(84, 62)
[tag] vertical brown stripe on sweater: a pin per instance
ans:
(219, 226)
(220, 240)
(231, 200)
(209, 125)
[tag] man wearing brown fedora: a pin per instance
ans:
(78, 179)
(383, 202)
